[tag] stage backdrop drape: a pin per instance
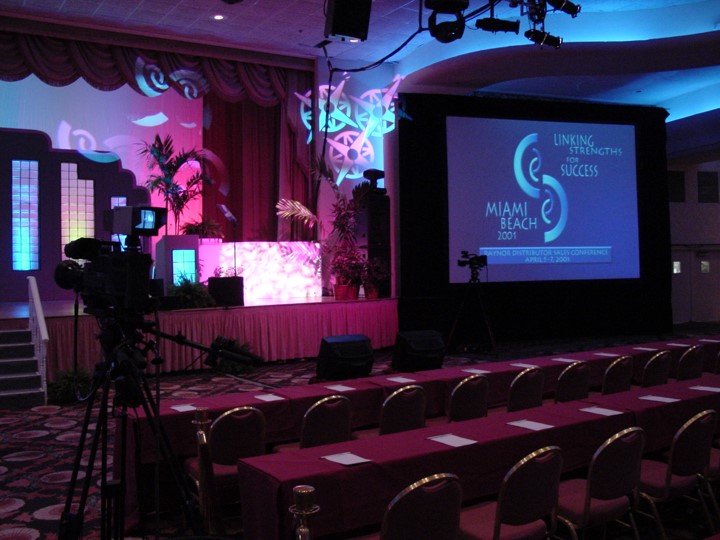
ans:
(262, 154)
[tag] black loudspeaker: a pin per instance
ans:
(418, 350)
(345, 357)
(348, 19)
(227, 291)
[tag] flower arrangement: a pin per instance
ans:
(347, 266)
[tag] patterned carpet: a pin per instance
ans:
(38, 446)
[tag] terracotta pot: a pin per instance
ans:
(345, 291)
(372, 292)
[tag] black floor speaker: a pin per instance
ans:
(345, 357)
(348, 19)
(227, 291)
(418, 350)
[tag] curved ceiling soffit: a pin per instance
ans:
(474, 71)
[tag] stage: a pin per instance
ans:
(274, 331)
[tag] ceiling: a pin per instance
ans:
(662, 53)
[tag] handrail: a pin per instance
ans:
(38, 331)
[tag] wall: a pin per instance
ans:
(695, 237)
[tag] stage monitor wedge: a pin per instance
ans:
(418, 350)
(347, 19)
(345, 357)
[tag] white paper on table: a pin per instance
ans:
(346, 458)
(339, 387)
(452, 440)
(678, 345)
(601, 411)
(268, 397)
(706, 388)
(645, 349)
(520, 364)
(566, 360)
(400, 379)
(708, 340)
(183, 408)
(476, 371)
(661, 399)
(609, 354)
(529, 424)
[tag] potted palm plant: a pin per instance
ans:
(166, 164)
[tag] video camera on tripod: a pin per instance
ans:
(472, 260)
(114, 280)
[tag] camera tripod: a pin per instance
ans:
(472, 305)
(122, 368)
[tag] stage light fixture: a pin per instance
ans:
(565, 6)
(543, 38)
(447, 6)
(498, 25)
(447, 31)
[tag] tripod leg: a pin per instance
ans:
(71, 523)
(181, 483)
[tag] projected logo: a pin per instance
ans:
(353, 123)
(527, 165)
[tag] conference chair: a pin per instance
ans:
(573, 383)
(403, 410)
(526, 390)
(235, 434)
(691, 364)
(685, 471)
(209, 504)
(428, 509)
(657, 369)
(526, 506)
(327, 421)
(618, 376)
(610, 489)
(469, 399)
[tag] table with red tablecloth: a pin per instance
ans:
(355, 496)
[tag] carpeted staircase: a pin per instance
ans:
(20, 380)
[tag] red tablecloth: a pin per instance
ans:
(355, 496)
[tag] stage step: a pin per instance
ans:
(20, 381)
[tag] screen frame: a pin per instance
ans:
(525, 309)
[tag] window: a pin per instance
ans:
(77, 205)
(25, 220)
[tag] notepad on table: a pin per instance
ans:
(601, 411)
(269, 397)
(346, 458)
(339, 387)
(401, 379)
(661, 399)
(183, 408)
(452, 440)
(529, 424)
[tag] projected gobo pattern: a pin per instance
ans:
(538, 185)
(355, 124)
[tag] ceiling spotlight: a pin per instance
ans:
(565, 6)
(543, 38)
(498, 25)
(447, 31)
(447, 6)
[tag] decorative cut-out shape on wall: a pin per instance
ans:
(149, 78)
(350, 154)
(376, 109)
(193, 84)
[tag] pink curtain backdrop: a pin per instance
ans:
(253, 124)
